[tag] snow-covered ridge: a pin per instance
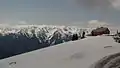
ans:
(84, 53)
(47, 28)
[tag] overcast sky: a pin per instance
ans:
(60, 12)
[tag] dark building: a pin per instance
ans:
(100, 31)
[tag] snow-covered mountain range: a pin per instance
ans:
(42, 32)
(24, 38)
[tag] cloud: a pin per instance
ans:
(101, 4)
(115, 3)
(22, 22)
(3, 25)
(96, 23)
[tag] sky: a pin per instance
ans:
(60, 12)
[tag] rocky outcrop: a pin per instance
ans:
(100, 31)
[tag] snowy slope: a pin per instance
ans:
(76, 54)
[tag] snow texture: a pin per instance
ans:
(85, 53)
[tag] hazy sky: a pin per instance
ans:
(59, 12)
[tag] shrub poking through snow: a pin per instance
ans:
(74, 37)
